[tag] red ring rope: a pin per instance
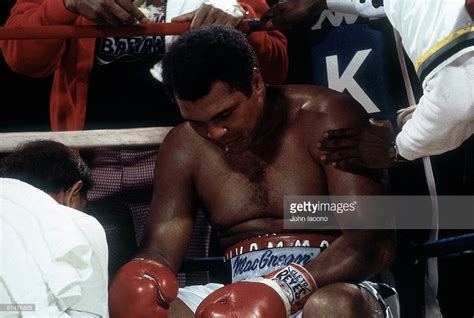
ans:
(95, 31)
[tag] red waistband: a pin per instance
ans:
(278, 240)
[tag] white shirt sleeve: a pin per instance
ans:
(444, 117)
(367, 8)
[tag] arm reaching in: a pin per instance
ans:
(357, 150)
(286, 14)
(107, 12)
(39, 58)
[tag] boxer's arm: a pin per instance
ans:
(170, 222)
(357, 254)
(270, 46)
(36, 58)
(146, 285)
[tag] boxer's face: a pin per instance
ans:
(225, 116)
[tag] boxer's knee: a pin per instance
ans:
(178, 309)
(335, 300)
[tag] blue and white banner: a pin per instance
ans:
(357, 56)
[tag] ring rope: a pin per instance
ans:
(82, 139)
(100, 31)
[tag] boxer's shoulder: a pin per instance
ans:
(324, 108)
(181, 144)
(183, 136)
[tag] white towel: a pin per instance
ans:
(44, 256)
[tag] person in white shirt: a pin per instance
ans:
(57, 255)
(438, 37)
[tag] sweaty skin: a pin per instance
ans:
(238, 156)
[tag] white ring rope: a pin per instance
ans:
(89, 138)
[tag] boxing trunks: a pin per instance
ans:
(261, 255)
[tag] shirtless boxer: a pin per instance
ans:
(244, 147)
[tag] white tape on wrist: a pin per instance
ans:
(277, 288)
(293, 283)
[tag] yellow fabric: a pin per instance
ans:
(441, 44)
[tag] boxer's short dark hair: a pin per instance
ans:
(47, 165)
(204, 56)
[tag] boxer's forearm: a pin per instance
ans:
(354, 257)
(153, 254)
(167, 249)
(166, 239)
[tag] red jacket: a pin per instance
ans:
(72, 60)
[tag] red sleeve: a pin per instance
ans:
(270, 46)
(36, 57)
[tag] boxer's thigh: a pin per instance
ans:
(343, 300)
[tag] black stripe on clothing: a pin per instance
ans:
(377, 3)
(444, 53)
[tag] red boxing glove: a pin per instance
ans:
(242, 299)
(279, 294)
(142, 288)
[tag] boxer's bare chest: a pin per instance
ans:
(246, 190)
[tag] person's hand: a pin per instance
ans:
(404, 114)
(285, 14)
(142, 288)
(354, 150)
(208, 14)
(106, 12)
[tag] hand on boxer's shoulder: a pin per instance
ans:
(142, 288)
(213, 14)
(356, 149)
(106, 12)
